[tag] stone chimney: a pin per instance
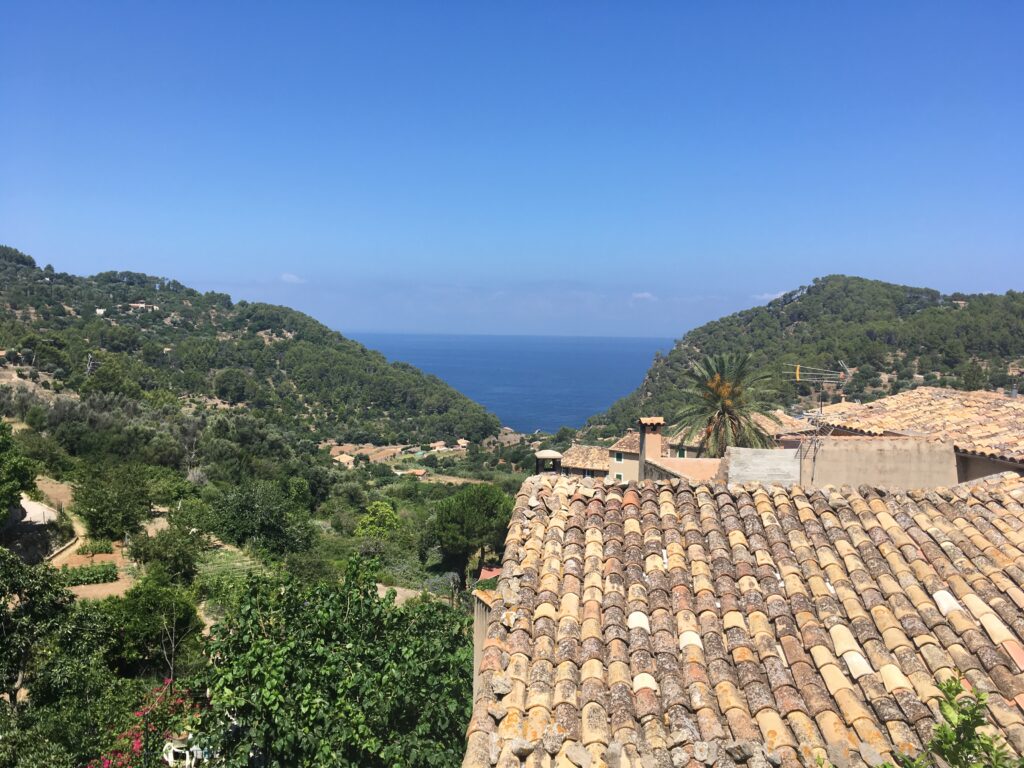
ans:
(650, 440)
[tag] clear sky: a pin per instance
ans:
(590, 168)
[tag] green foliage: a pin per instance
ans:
(332, 675)
(958, 741)
(98, 573)
(174, 549)
(466, 522)
(84, 687)
(160, 626)
(260, 513)
(721, 396)
(862, 322)
(112, 501)
(272, 361)
(32, 600)
(378, 521)
(16, 472)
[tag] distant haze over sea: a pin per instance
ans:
(529, 382)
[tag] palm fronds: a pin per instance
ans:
(722, 395)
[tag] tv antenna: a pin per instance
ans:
(819, 378)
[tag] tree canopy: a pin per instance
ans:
(147, 338)
(16, 472)
(112, 501)
(911, 335)
(333, 675)
(467, 522)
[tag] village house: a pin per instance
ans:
(344, 459)
(585, 461)
(986, 429)
(648, 449)
(347, 453)
(689, 624)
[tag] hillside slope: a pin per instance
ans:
(894, 337)
(152, 339)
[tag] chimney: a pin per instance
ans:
(650, 440)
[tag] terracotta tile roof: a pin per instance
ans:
(788, 425)
(702, 470)
(592, 457)
(984, 423)
(628, 443)
(673, 624)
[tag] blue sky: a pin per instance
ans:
(572, 168)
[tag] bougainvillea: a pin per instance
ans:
(166, 712)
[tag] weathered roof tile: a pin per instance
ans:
(661, 622)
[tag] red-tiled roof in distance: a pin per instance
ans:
(686, 624)
(489, 572)
(628, 443)
(592, 457)
(983, 423)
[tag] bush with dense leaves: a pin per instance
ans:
(16, 472)
(112, 501)
(332, 674)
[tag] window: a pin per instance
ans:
(618, 475)
(588, 473)
(681, 453)
(618, 458)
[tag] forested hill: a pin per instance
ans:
(894, 336)
(155, 340)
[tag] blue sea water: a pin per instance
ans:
(529, 382)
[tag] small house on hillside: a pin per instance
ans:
(585, 461)
(346, 460)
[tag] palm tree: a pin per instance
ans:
(722, 395)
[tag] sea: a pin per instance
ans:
(529, 382)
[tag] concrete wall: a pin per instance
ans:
(903, 462)
(973, 467)
(763, 465)
(692, 470)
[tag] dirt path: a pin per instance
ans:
(56, 492)
(402, 595)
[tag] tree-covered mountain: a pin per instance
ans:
(156, 341)
(893, 337)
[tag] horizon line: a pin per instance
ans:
(353, 333)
